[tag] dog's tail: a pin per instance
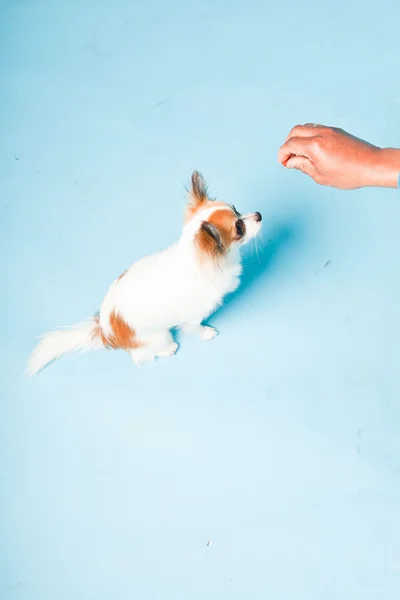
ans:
(78, 338)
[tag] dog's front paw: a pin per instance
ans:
(207, 333)
(204, 332)
(169, 350)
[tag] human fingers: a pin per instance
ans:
(301, 163)
(297, 146)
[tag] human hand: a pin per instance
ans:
(335, 158)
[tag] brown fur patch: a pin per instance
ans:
(225, 222)
(122, 336)
(208, 243)
(122, 275)
(216, 235)
(193, 209)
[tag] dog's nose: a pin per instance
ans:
(258, 217)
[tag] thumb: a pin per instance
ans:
(301, 163)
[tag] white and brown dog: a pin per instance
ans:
(177, 287)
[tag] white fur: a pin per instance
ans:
(168, 289)
(57, 343)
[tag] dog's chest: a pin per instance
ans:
(211, 290)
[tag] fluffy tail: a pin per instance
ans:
(80, 337)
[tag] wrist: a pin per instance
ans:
(387, 168)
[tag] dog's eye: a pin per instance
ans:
(240, 229)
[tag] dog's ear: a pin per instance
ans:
(198, 192)
(209, 242)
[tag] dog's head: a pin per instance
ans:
(217, 227)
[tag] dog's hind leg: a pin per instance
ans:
(153, 345)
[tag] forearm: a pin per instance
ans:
(386, 170)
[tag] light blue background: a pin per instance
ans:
(280, 440)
